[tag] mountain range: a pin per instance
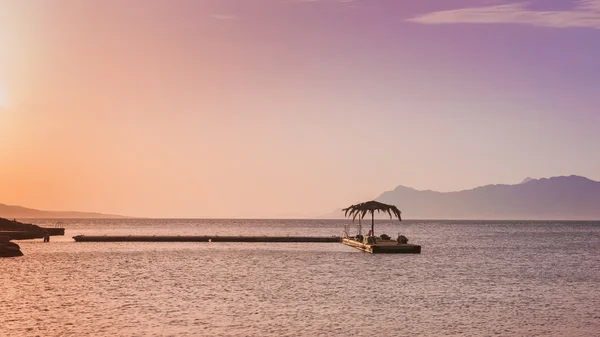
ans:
(18, 212)
(557, 198)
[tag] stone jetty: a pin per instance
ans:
(16, 230)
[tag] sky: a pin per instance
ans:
(289, 108)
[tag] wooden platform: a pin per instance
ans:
(384, 247)
(54, 231)
(203, 238)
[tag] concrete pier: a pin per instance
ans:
(203, 238)
(44, 233)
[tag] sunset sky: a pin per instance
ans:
(278, 108)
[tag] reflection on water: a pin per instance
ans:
(473, 278)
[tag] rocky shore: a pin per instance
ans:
(16, 226)
(14, 230)
(9, 249)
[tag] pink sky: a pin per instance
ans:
(268, 108)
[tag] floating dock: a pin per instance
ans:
(203, 238)
(384, 247)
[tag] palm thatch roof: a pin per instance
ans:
(360, 210)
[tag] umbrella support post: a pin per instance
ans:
(372, 223)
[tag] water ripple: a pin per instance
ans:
(472, 279)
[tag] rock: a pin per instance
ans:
(13, 225)
(9, 249)
(21, 231)
(369, 240)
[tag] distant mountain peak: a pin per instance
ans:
(556, 198)
(400, 188)
(19, 212)
(526, 180)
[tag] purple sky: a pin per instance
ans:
(287, 107)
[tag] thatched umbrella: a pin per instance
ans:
(360, 210)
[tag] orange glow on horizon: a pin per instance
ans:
(199, 108)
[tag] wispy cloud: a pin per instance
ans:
(586, 13)
(342, 1)
(225, 17)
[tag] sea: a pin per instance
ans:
(473, 278)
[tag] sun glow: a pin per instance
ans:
(4, 116)
(3, 97)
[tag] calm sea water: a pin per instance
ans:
(472, 279)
